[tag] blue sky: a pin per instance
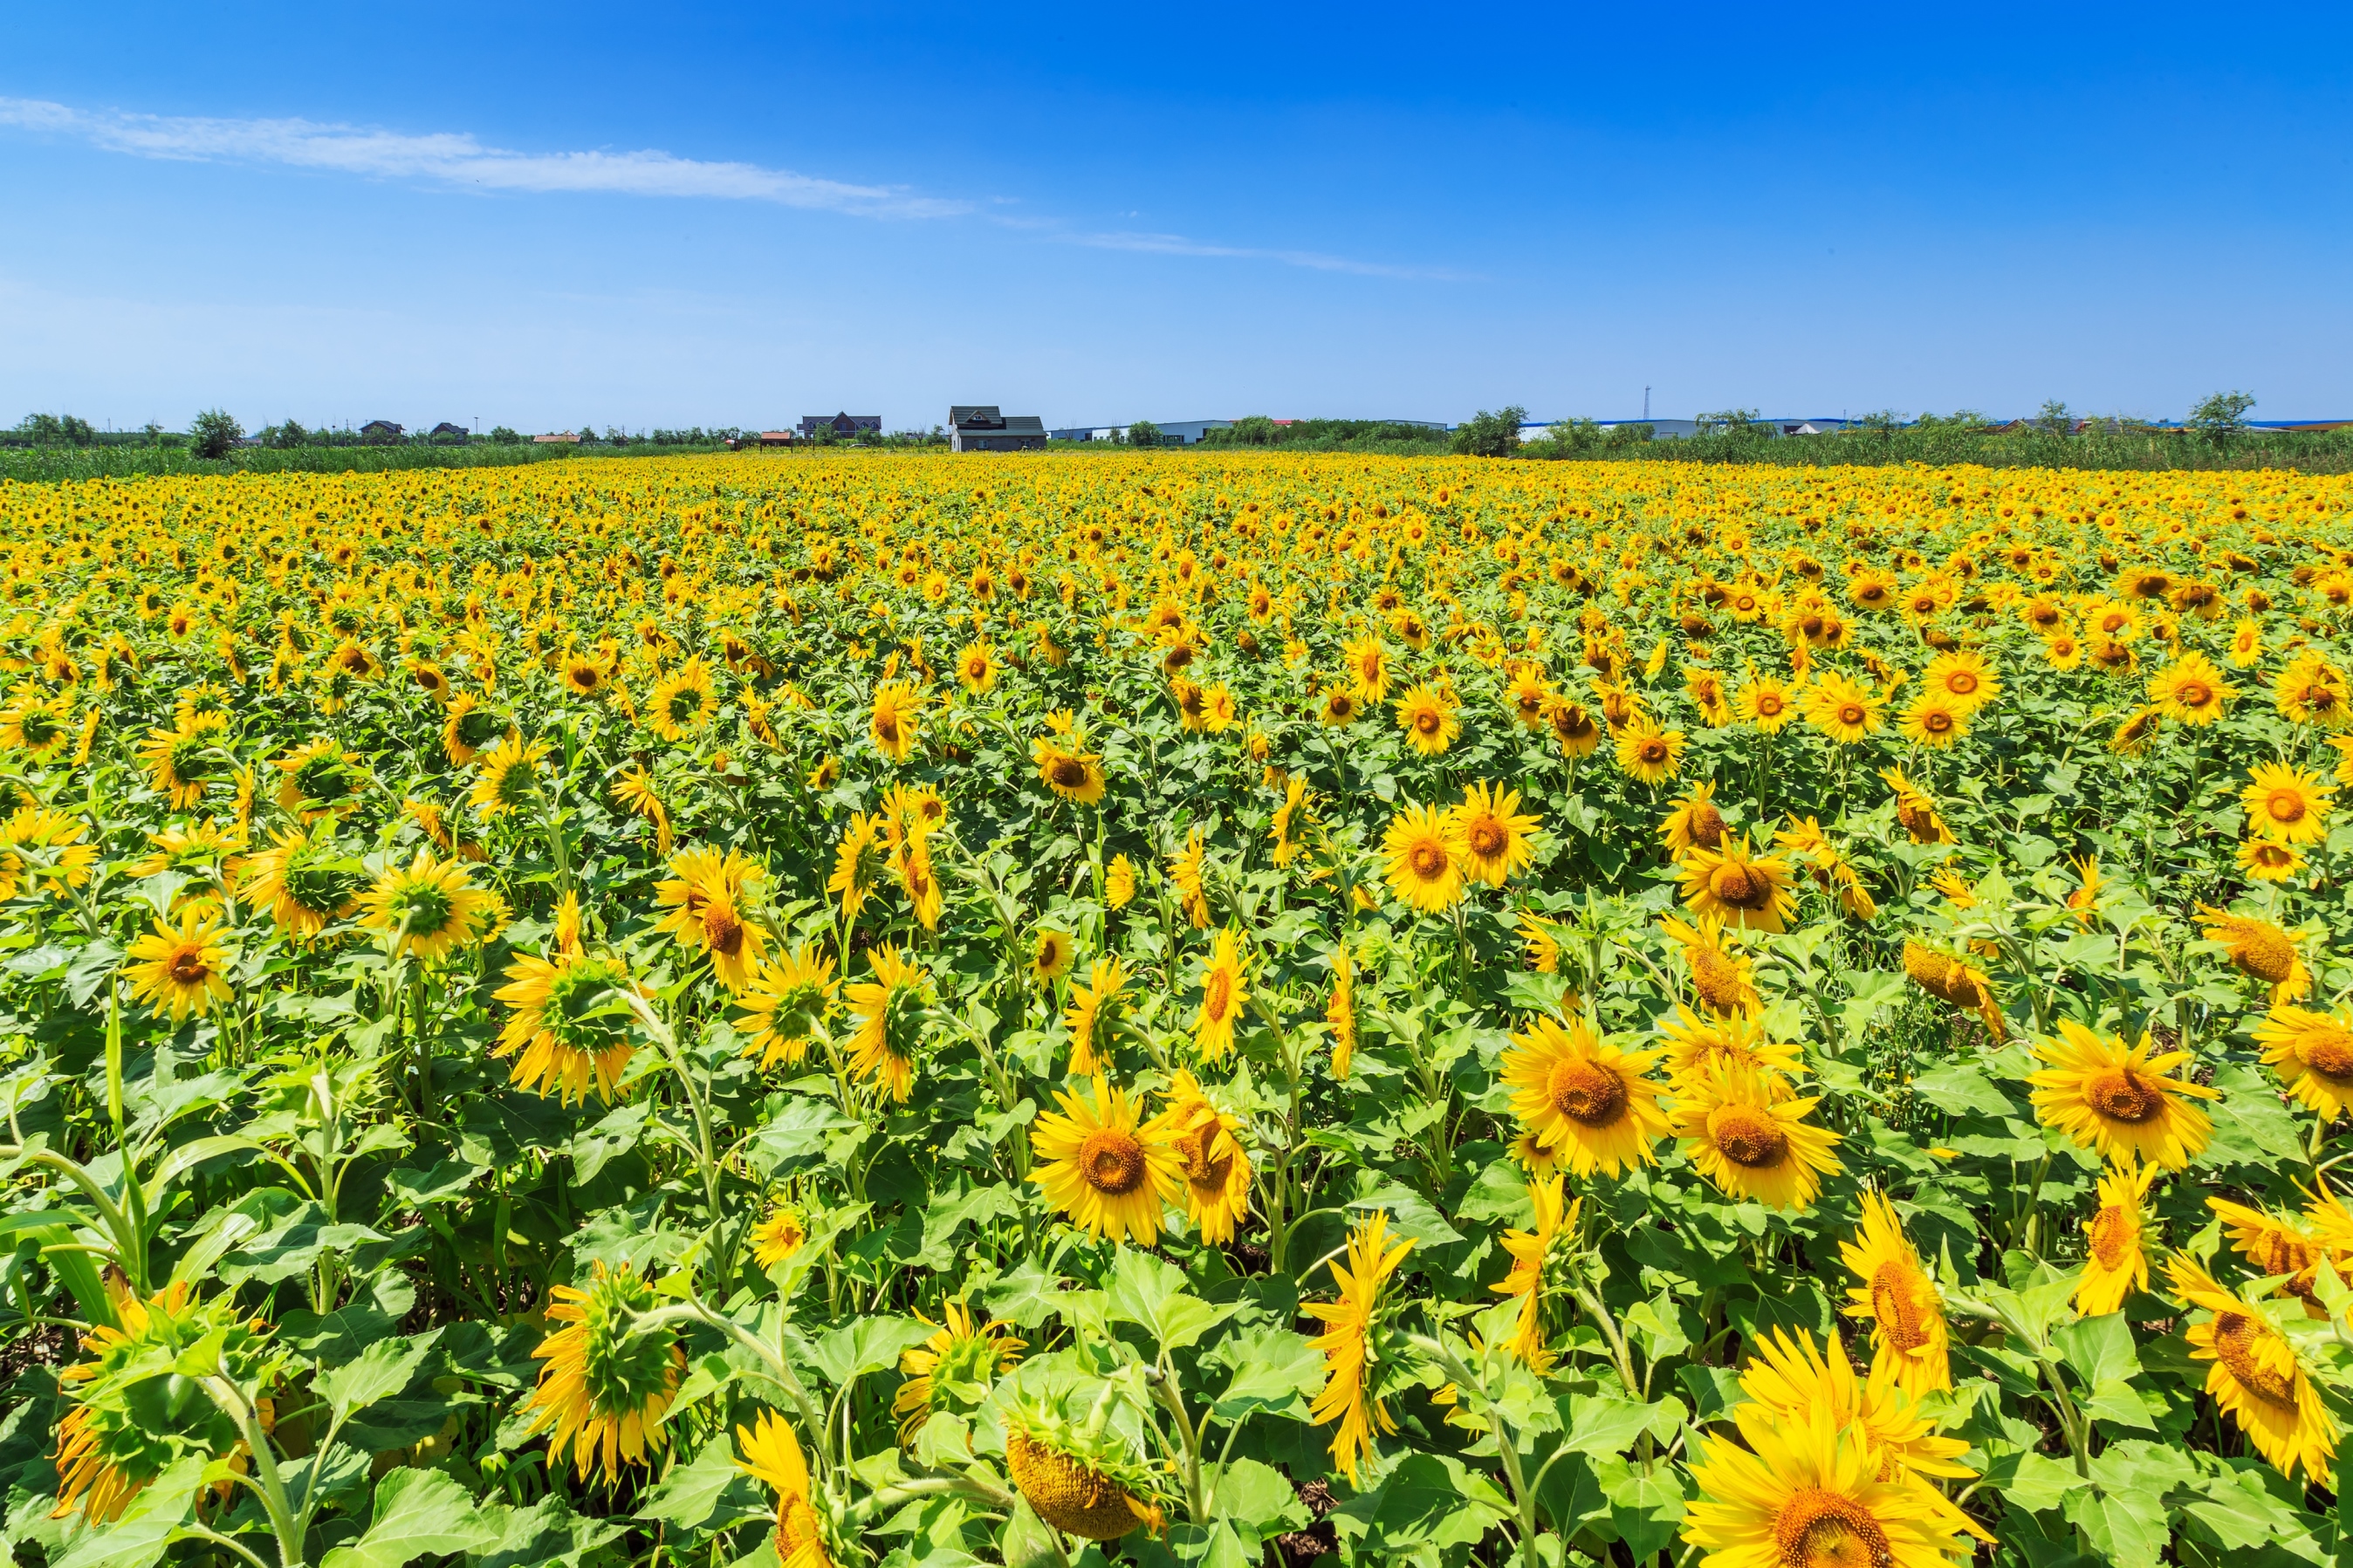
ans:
(540, 216)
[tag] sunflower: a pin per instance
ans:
(1573, 729)
(1587, 1104)
(772, 1455)
(1341, 707)
(2191, 689)
(320, 780)
(581, 676)
(1696, 1046)
(1367, 661)
(1291, 818)
(1726, 980)
(777, 1238)
(1110, 1172)
(1916, 809)
(1223, 994)
(2286, 805)
(2268, 860)
(570, 1031)
(1933, 720)
(705, 898)
(1695, 822)
(2120, 1100)
(1093, 1018)
(684, 703)
(859, 862)
(1748, 1139)
(1078, 1479)
(953, 1367)
(2259, 951)
(2137, 732)
(2116, 1263)
(1649, 753)
(1841, 707)
(635, 790)
(894, 722)
(134, 1413)
(1767, 704)
(1733, 887)
(1425, 867)
(1494, 840)
(1527, 696)
(1067, 768)
(1809, 1491)
(467, 728)
(428, 906)
(302, 879)
(1351, 1357)
(2257, 1377)
(1216, 1167)
(2313, 1055)
(1908, 1336)
(1340, 1012)
(510, 776)
(181, 762)
(177, 970)
(1051, 955)
(977, 664)
(40, 727)
(889, 1010)
(784, 1003)
(2275, 1245)
(604, 1386)
(1119, 882)
(1792, 1376)
(1535, 1257)
(1186, 871)
(1954, 980)
(1426, 717)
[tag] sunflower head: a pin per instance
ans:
(604, 1384)
(1081, 1479)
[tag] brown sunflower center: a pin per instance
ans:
(1112, 1161)
(1899, 1301)
(2193, 694)
(2284, 805)
(2266, 952)
(2112, 1237)
(1818, 1529)
(1429, 861)
(1487, 838)
(2236, 1335)
(1653, 752)
(1768, 705)
(2120, 1094)
(1851, 713)
(886, 728)
(1937, 721)
(1585, 1091)
(2327, 1052)
(1961, 682)
(1747, 1135)
(722, 933)
(188, 967)
(1706, 825)
(1067, 771)
(1739, 884)
(1217, 996)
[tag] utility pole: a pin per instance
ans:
(1646, 405)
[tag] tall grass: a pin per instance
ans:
(2324, 452)
(50, 464)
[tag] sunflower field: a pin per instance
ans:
(1169, 1009)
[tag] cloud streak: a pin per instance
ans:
(456, 158)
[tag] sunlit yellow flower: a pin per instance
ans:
(1587, 1104)
(889, 1010)
(605, 1384)
(1908, 1336)
(1491, 836)
(1426, 717)
(784, 1003)
(1425, 865)
(1350, 1395)
(2313, 1055)
(428, 906)
(1736, 889)
(2286, 805)
(1750, 1140)
(2256, 1377)
(1111, 1173)
(176, 970)
(1217, 1168)
(772, 1455)
(2120, 1100)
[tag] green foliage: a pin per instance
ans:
(213, 434)
(1495, 434)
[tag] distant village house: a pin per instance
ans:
(565, 437)
(980, 427)
(380, 430)
(841, 425)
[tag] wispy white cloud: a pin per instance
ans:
(1314, 260)
(456, 158)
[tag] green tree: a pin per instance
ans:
(504, 437)
(2056, 419)
(1495, 434)
(1883, 423)
(289, 433)
(2221, 415)
(1144, 433)
(1728, 421)
(213, 434)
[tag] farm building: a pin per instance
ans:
(380, 430)
(843, 425)
(980, 427)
